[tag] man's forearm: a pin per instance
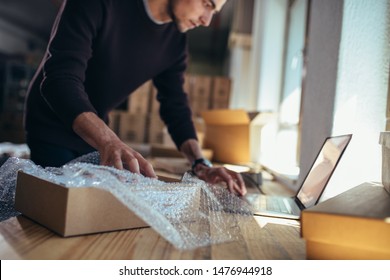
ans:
(191, 149)
(113, 152)
(93, 130)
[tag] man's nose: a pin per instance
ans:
(206, 18)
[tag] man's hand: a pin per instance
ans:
(215, 175)
(212, 175)
(113, 152)
(121, 156)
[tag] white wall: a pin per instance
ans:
(361, 93)
(346, 86)
(319, 86)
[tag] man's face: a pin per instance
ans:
(188, 14)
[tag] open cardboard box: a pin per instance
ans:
(72, 211)
(233, 135)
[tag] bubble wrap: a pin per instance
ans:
(188, 214)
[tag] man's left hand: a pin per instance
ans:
(215, 175)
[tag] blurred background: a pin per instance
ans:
(318, 67)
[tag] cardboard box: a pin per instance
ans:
(351, 225)
(132, 127)
(173, 165)
(114, 120)
(188, 83)
(154, 103)
(167, 139)
(200, 94)
(155, 129)
(220, 93)
(159, 150)
(199, 127)
(138, 101)
(72, 211)
(229, 132)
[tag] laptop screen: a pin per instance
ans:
(322, 169)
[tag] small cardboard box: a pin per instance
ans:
(229, 132)
(72, 211)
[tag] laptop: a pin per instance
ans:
(311, 188)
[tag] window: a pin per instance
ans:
(286, 139)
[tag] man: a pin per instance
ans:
(98, 53)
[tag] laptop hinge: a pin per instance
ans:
(299, 203)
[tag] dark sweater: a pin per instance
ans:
(99, 52)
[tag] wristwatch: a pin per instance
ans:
(202, 161)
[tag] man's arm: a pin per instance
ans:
(113, 152)
(191, 149)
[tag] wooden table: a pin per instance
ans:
(260, 238)
(263, 238)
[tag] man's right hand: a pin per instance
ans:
(121, 156)
(113, 152)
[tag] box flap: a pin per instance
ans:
(263, 119)
(253, 115)
(368, 200)
(225, 117)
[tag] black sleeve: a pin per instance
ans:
(174, 105)
(69, 50)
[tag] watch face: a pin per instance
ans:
(203, 161)
(207, 162)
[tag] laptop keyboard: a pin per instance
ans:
(275, 204)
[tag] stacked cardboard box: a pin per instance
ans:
(155, 130)
(220, 93)
(132, 127)
(200, 94)
(138, 102)
(141, 123)
(114, 120)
